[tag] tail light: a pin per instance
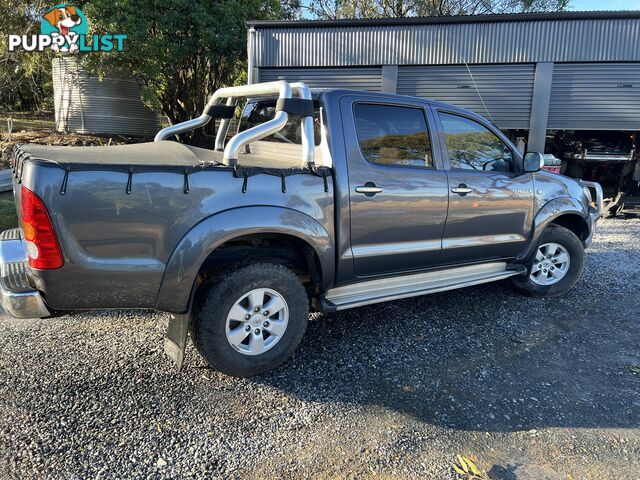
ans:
(42, 245)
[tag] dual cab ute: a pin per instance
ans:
(322, 201)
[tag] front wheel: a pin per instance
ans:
(556, 266)
(251, 320)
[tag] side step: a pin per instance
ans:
(393, 288)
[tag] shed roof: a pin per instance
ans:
(509, 38)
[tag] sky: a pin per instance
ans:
(604, 5)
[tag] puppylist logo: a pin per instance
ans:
(64, 28)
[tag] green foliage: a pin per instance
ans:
(180, 50)
(25, 78)
(8, 215)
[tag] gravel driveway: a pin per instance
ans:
(530, 388)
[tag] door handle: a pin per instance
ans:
(369, 189)
(461, 190)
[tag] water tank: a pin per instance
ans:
(109, 106)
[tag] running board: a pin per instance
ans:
(393, 288)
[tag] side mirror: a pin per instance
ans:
(533, 162)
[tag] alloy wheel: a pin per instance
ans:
(257, 321)
(550, 265)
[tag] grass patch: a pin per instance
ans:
(8, 216)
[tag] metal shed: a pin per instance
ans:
(570, 70)
(85, 104)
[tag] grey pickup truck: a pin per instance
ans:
(322, 200)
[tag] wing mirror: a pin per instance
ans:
(533, 162)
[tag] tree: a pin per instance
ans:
(25, 77)
(180, 50)
(339, 9)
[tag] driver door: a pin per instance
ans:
(398, 190)
(491, 199)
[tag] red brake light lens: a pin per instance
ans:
(43, 250)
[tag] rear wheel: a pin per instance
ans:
(251, 320)
(556, 266)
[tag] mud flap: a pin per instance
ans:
(175, 341)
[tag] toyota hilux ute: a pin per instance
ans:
(320, 201)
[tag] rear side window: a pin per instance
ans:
(472, 146)
(392, 135)
(256, 113)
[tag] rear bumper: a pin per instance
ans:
(18, 298)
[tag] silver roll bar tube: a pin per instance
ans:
(239, 140)
(232, 94)
(308, 140)
(224, 127)
(181, 127)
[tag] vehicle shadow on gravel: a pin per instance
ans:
(483, 358)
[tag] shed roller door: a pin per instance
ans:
(506, 89)
(369, 79)
(595, 96)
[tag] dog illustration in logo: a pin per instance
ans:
(64, 19)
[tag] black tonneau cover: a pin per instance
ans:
(162, 156)
(164, 153)
(151, 154)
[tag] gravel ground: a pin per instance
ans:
(529, 388)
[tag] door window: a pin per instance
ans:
(392, 135)
(472, 146)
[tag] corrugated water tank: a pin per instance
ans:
(85, 104)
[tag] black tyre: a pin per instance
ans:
(251, 320)
(556, 266)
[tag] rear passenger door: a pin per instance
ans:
(397, 187)
(490, 197)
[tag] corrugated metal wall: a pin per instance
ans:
(604, 96)
(359, 78)
(86, 104)
(571, 40)
(506, 89)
